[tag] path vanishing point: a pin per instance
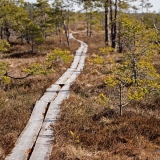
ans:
(35, 142)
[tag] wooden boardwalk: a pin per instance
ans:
(35, 142)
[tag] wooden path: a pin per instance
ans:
(35, 142)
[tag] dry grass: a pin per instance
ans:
(18, 98)
(133, 136)
(95, 42)
(157, 64)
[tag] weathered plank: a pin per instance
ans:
(43, 144)
(29, 135)
(75, 62)
(72, 78)
(65, 76)
(50, 93)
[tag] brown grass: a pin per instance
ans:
(133, 136)
(157, 64)
(18, 98)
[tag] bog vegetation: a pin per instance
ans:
(113, 110)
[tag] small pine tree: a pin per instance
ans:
(135, 76)
(35, 35)
(4, 45)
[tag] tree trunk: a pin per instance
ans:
(57, 28)
(1, 32)
(22, 39)
(90, 29)
(27, 36)
(135, 75)
(120, 98)
(32, 44)
(106, 22)
(111, 36)
(7, 33)
(109, 23)
(87, 23)
(115, 27)
(66, 33)
(60, 37)
(87, 28)
(119, 43)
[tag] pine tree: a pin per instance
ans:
(41, 11)
(135, 76)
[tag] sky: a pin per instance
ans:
(155, 3)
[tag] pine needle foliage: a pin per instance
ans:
(4, 45)
(58, 55)
(4, 67)
(135, 76)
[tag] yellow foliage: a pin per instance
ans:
(111, 61)
(6, 80)
(97, 60)
(103, 99)
(58, 54)
(75, 138)
(137, 93)
(72, 134)
(37, 69)
(106, 50)
(4, 45)
(4, 68)
(111, 81)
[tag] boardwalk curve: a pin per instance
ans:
(35, 142)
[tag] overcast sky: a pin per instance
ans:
(155, 3)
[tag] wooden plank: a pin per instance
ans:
(72, 78)
(62, 95)
(53, 88)
(80, 67)
(78, 53)
(29, 135)
(82, 60)
(50, 93)
(43, 146)
(77, 57)
(65, 76)
(48, 97)
(75, 62)
(80, 49)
